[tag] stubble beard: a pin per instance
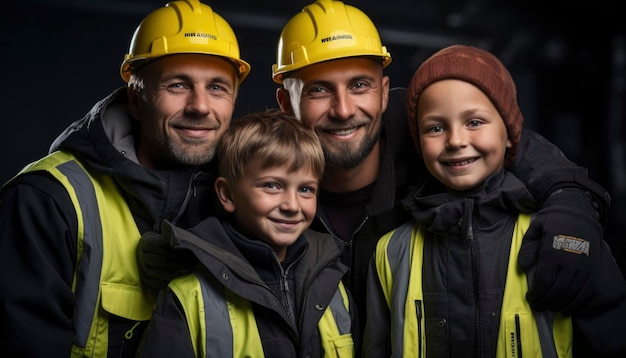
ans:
(344, 156)
(191, 152)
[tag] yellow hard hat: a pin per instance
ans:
(326, 30)
(183, 26)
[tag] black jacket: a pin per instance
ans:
(312, 268)
(39, 230)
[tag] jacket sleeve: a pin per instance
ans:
(167, 334)
(545, 169)
(599, 327)
(377, 335)
(37, 260)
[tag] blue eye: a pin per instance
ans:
(474, 123)
(436, 129)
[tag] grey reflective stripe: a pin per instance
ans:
(340, 313)
(546, 339)
(545, 320)
(399, 256)
(89, 269)
(219, 332)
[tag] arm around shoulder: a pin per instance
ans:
(544, 169)
(573, 211)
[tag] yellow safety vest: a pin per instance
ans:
(546, 334)
(106, 279)
(209, 309)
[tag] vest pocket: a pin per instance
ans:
(126, 301)
(520, 337)
(344, 346)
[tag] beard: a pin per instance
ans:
(348, 156)
(191, 154)
(166, 153)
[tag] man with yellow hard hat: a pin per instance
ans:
(330, 63)
(70, 223)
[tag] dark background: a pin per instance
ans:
(568, 59)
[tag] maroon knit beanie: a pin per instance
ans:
(478, 67)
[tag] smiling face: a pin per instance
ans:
(343, 101)
(462, 135)
(185, 105)
(271, 204)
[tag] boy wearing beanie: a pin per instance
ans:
(447, 283)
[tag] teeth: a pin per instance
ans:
(343, 132)
(461, 163)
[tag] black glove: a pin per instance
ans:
(562, 246)
(159, 262)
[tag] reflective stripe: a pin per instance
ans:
(219, 342)
(89, 268)
(398, 255)
(221, 324)
(544, 326)
(340, 311)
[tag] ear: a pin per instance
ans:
(385, 92)
(133, 103)
(282, 97)
(222, 188)
(509, 144)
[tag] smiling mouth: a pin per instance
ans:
(460, 163)
(343, 132)
(286, 225)
(287, 222)
(194, 132)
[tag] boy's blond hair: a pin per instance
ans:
(272, 137)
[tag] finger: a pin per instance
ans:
(541, 285)
(561, 294)
(151, 248)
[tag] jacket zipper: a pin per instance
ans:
(418, 312)
(192, 191)
(469, 235)
(286, 296)
(518, 336)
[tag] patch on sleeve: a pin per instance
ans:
(571, 244)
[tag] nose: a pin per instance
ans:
(290, 201)
(343, 106)
(457, 138)
(198, 103)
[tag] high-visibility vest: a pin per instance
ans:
(106, 280)
(399, 257)
(210, 310)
